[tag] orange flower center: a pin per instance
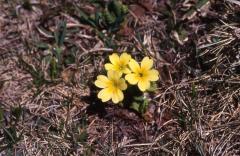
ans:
(115, 84)
(141, 73)
(121, 67)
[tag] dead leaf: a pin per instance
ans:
(148, 117)
(166, 72)
(148, 5)
(137, 11)
(165, 117)
(149, 114)
(67, 75)
(125, 30)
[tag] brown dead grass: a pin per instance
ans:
(195, 110)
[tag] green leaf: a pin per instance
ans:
(139, 104)
(58, 53)
(47, 59)
(153, 87)
(98, 17)
(124, 9)
(194, 91)
(135, 106)
(53, 68)
(60, 33)
(42, 45)
(115, 7)
(109, 18)
(16, 113)
(98, 2)
(83, 136)
(86, 19)
(10, 135)
(37, 75)
(138, 98)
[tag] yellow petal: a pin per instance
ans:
(125, 58)
(122, 84)
(146, 63)
(153, 75)
(143, 85)
(117, 96)
(114, 59)
(134, 66)
(109, 66)
(126, 71)
(132, 78)
(114, 75)
(102, 81)
(105, 94)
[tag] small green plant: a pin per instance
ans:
(56, 56)
(110, 17)
(37, 74)
(10, 131)
(139, 104)
(54, 61)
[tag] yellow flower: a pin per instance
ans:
(112, 86)
(119, 64)
(142, 75)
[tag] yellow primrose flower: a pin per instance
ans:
(142, 75)
(119, 64)
(112, 86)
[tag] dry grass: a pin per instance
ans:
(195, 110)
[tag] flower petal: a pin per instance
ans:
(114, 59)
(125, 58)
(117, 96)
(146, 63)
(132, 78)
(134, 66)
(109, 66)
(102, 81)
(126, 70)
(114, 75)
(153, 75)
(105, 94)
(143, 85)
(122, 84)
